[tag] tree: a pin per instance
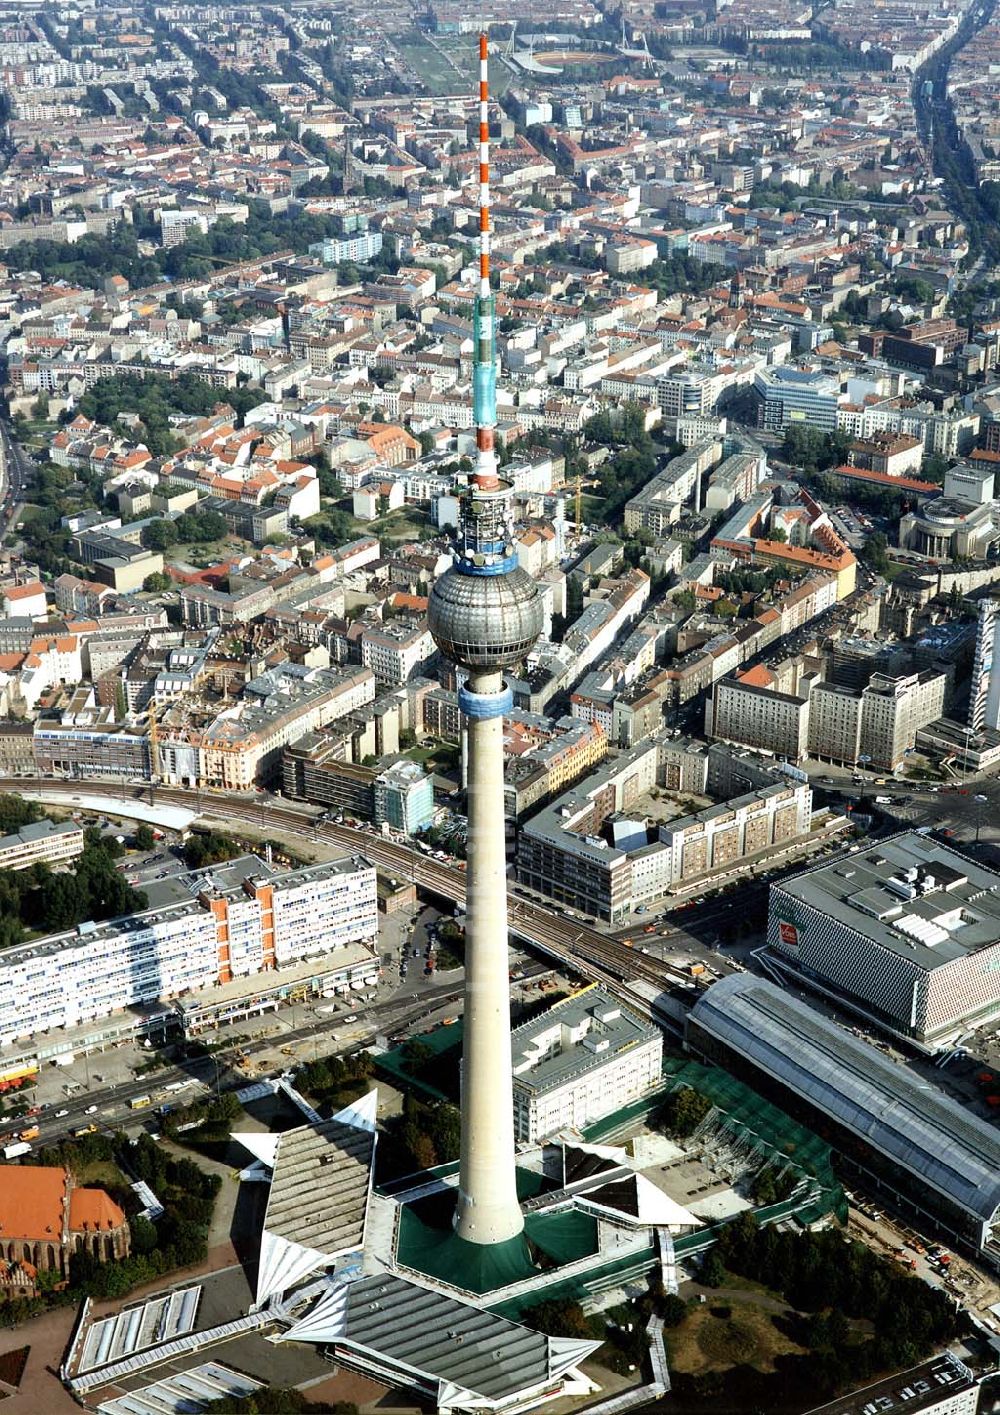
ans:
(780, 535)
(875, 553)
(144, 837)
(713, 1272)
(156, 583)
(683, 1111)
(209, 849)
(15, 811)
(934, 467)
(159, 535)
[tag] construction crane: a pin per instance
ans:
(154, 742)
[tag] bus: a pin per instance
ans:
(140, 1102)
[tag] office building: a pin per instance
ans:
(404, 798)
(933, 1157)
(583, 1059)
(906, 931)
(238, 920)
(49, 841)
(787, 394)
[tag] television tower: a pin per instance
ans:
(485, 613)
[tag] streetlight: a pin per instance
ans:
(863, 762)
(980, 801)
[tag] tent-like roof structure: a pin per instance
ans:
(467, 1357)
(887, 1105)
(320, 1185)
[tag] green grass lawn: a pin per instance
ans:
(707, 1342)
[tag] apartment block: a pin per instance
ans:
(984, 691)
(595, 848)
(746, 709)
(396, 651)
(880, 723)
(238, 920)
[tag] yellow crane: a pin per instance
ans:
(154, 742)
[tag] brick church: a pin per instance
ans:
(45, 1217)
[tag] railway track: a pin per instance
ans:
(584, 949)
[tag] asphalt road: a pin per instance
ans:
(110, 1103)
(962, 807)
(16, 475)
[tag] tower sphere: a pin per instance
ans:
(485, 621)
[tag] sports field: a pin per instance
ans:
(450, 63)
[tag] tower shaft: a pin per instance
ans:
(488, 1210)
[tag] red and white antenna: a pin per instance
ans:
(484, 374)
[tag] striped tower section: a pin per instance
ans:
(484, 388)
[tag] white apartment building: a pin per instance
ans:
(44, 840)
(397, 651)
(242, 920)
(583, 1059)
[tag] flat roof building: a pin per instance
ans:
(944, 1385)
(931, 1156)
(907, 932)
(595, 849)
(583, 1059)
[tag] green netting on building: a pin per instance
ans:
(427, 1242)
(563, 1236)
(530, 1183)
(746, 1109)
(750, 1120)
(441, 1253)
(577, 1287)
